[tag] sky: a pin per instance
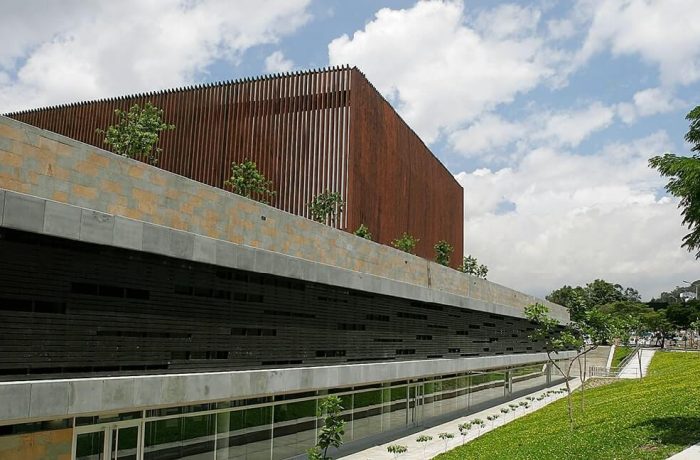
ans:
(546, 111)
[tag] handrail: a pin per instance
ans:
(628, 358)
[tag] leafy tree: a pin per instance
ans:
(325, 206)
(564, 296)
(682, 314)
(406, 243)
(471, 266)
(247, 181)
(684, 181)
(136, 132)
(583, 336)
(600, 292)
(443, 251)
(695, 329)
(363, 232)
(331, 435)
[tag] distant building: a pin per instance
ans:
(146, 315)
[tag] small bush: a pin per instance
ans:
(443, 252)
(406, 243)
(363, 232)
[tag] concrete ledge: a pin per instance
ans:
(35, 400)
(38, 215)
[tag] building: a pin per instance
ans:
(148, 315)
(308, 132)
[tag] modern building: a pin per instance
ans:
(144, 314)
(309, 132)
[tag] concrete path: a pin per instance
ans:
(631, 370)
(691, 453)
(437, 445)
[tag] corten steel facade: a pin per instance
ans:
(308, 132)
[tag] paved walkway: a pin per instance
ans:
(691, 453)
(631, 370)
(437, 445)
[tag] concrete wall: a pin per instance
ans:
(46, 399)
(49, 166)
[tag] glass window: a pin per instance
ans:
(367, 413)
(486, 388)
(243, 434)
(90, 446)
(294, 428)
(190, 437)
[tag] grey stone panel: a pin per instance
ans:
(96, 227)
(48, 399)
(245, 258)
(117, 393)
(181, 244)
(14, 401)
(205, 250)
(128, 233)
(23, 212)
(225, 254)
(82, 395)
(156, 239)
(62, 220)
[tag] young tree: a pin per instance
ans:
(397, 449)
(443, 251)
(471, 266)
(326, 206)
(464, 430)
(446, 437)
(247, 181)
(331, 435)
(684, 181)
(406, 243)
(424, 439)
(363, 232)
(136, 132)
(583, 336)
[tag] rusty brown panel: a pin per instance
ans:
(405, 188)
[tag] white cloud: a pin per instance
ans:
(439, 71)
(111, 48)
(576, 218)
(648, 102)
(561, 29)
(665, 33)
(490, 134)
(277, 63)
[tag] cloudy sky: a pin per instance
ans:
(545, 111)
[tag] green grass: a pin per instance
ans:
(620, 354)
(651, 419)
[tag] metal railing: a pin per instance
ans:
(614, 372)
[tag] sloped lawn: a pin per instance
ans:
(651, 419)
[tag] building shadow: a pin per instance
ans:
(679, 431)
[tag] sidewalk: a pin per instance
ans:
(437, 445)
(691, 453)
(631, 370)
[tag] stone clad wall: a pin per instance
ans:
(44, 164)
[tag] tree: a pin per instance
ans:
(406, 243)
(471, 266)
(564, 296)
(464, 430)
(326, 206)
(397, 449)
(136, 132)
(247, 181)
(331, 435)
(443, 251)
(424, 439)
(684, 181)
(446, 437)
(363, 232)
(583, 336)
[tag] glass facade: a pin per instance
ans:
(284, 426)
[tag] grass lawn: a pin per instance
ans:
(620, 354)
(651, 419)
